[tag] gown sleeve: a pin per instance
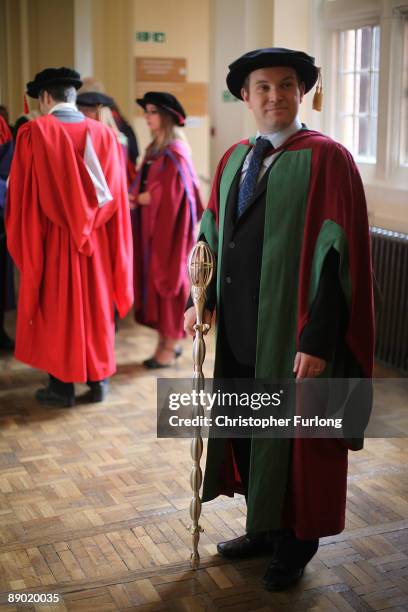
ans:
(25, 222)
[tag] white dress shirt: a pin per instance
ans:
(276, 139)
(67, 106)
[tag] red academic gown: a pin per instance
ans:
(163, 235)
(74, 257)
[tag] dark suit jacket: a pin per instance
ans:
(240, 282)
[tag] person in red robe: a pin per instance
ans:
(167, 205)
(69, 233)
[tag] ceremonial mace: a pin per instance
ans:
(201, 264)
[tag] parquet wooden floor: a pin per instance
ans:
(95, 507)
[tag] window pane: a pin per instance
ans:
(374, 94)
(363, 137)
(364, 82)
(365, 48)
(357, 62)
(376, 49)
(347, 135)
(404, 106)
(357, 103)
(347, 50)
(347, 93)
(373, 137)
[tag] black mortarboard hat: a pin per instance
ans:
(94, 98)
(166, 101)
(51, 77)
(274, 56)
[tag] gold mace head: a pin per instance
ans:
(201, 265)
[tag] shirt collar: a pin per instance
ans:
(67, 106)
(278, 138)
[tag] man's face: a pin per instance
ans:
(274, 96)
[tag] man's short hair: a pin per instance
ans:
(245, 84)
(61, 93)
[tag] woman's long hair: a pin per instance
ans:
(171, 132)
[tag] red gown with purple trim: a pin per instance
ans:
(163, 234)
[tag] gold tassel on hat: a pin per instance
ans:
(318, 95)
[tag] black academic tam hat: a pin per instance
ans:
(273, 56)
(53, 77)
(94, 98)
(166, 101)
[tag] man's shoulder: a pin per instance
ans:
(98, 128)
(231, 149)
(318, 140)
(178, 149)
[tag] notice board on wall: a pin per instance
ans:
(169, 69)
(170, 74)
(192, 96)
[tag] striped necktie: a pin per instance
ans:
(261, 149)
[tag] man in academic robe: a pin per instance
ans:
(69, 233)
(287, 221)
(6, 266)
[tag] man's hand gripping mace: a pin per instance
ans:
(201, 265)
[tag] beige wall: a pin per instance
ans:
(11, 80)
(186, 25)
(112, 28)
(36, 34)
(237, 26)
(50, 27)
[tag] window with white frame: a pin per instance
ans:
(357, 100)
(403, 156)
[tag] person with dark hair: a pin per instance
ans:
(22, 119)
(97, 105)
(132, 147)
(166, 205)
(287, 221)
(4, 114)
(69, 233)
(6, 268)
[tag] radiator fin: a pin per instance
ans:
(390, 264)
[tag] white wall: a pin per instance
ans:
(237, 26)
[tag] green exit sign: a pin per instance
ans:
(157, 37)
(143, 36)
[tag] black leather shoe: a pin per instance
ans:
(6, 343)
(50, 398)
(153, 364)
(97, 391)
(247, 546)
(278, 577)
